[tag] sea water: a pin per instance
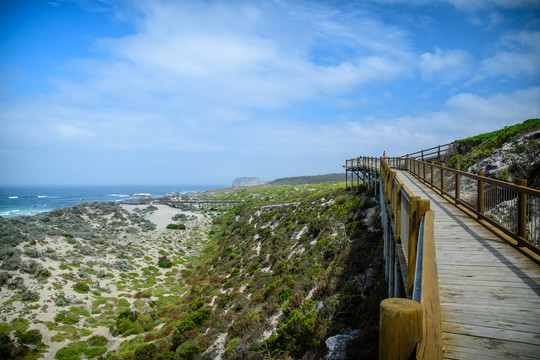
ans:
(30, 199)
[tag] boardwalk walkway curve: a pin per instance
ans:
(483, 295)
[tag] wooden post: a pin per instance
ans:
(400, 328)
(346, 175)
(397, 218)
(419, 209)
(358, 173)
(480, 198)
(522, 212)
(391, 261)
(391, 189)
(407, 163)
(458, 185)
(431, 180)
(442, 178)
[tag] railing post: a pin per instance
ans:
(522, 212)
(401, 325)
(346, 174)
(480, 198)
(442, 178)
(431, 179)
(407, 167)
(397, 219)
(458, 185)
(417, 208)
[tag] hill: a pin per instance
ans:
(276, 277)
(314, 179)
(507, 154)
(247, 181)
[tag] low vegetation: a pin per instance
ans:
(271, 278)
(471, 150)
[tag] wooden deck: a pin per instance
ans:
(489, 291)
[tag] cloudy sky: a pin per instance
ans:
(202, 92)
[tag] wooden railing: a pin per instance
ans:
(513, 209)
(409, 244)
(411, 266)
(410, 318)
(431, 154)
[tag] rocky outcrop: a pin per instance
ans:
(514, 160)
(247, 181)
(337, 345)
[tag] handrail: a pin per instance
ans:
(409, 246)
(510, 208)
(513, 209)
(426, 153)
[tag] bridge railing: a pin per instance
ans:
(434, 153)
(513, 209)
(411, 261)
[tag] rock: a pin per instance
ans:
(247, 181)
(337, 345)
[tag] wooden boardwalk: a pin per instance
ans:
(489, 291)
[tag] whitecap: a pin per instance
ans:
(42, 196)
(13, 197)
(118, 195)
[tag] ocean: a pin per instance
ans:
(30, 200)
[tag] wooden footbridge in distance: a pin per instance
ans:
(194, 204)
(462, 261)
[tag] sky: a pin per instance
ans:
(203, 92)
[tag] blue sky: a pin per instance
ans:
(202, 92)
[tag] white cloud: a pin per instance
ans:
(247, 56)
(448, 65)
(70, 131)
(519, 54)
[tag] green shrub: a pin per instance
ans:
(81, 287)
(97, 340)
(164, 262)
(295, 335)
(146, 352)
(197, 303)
(176, 226)
(283, 295)
(231, 346)
(187, 351)
(167, 355)
(31, 337)
(95, 352)
(67, 318)
(6, 346)
(72, 351)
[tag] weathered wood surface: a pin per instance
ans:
(489, 291)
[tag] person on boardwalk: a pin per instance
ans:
(384, 154)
